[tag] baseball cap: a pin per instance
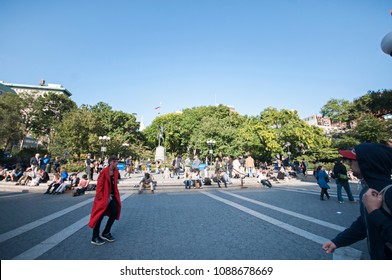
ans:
(349, 154)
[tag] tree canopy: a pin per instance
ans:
(62, 127)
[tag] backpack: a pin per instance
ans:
(207, 181)
(384, 204)
(343, 177)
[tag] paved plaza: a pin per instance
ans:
(286, 222)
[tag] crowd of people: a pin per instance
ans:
(37, 173)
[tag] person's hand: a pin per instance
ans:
(329, 247)
(372, 200)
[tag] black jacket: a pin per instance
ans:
(44, 177)
(375, 162)
(339, 168)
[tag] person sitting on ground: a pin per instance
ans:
(262, 179)
(34, 181)
(220, 177)
(146, 182)
(282, 174)
(2, 173)
(74, 182)
(64, 184)
(56, 182)
(44, 177)
(166, 173)
(64, 174)
(291, 172)
(27, 176)
(196, 179)
(14, 175)
(82, 185)
(187, 181)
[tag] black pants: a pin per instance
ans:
(324, 191)
(113, 209)
(266, 183)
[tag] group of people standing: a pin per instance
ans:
(340, 175)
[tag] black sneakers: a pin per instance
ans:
(97, 241)
(108, 237)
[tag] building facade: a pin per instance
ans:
(40, 89)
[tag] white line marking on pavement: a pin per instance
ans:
(350, 253)
(12, 195)
(312, 191)
(46, 245)
(20, 230)
(288, 212)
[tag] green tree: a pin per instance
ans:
(377, 103)
(287, 128)
(77, 133)
(338, 110)
(344, 142)
(182, 130)
(122, 128)
(49, 110)
(42, 113)
(11, 122)
(259, 139)
(371, 129)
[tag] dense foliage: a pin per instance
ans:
(65, 130)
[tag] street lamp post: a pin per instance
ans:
(103, 140)
(211, 143)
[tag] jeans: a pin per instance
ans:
(346, 187)
(188, 184)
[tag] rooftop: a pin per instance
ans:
(48, 87)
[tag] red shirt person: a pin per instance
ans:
(106, 203)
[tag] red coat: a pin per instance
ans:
(102, 195)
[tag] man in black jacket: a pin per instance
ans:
(340, 175)
(373, 164)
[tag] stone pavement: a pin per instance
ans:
(287, 221)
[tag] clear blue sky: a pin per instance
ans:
(134, 55)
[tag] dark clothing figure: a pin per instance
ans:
(90, 168)
(340, 174)
(44, 178)
(304, 167)
(375, 164)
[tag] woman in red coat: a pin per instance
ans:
(106, 203)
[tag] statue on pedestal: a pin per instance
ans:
(160, 154)
(161, 136)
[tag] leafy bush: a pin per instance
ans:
(78, 166)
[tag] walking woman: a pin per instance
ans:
(322, 180)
